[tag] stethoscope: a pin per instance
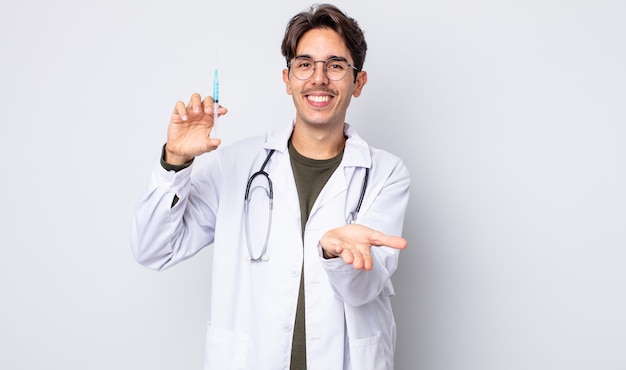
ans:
(270, 194)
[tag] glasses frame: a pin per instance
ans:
(314, 62)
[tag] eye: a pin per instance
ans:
(336, 65)
(303, 63)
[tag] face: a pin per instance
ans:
(318, 100)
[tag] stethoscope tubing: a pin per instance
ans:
(270, 193)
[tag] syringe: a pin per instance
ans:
(216, 99)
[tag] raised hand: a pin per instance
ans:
(188, 134)
(353, 244)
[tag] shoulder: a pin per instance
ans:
(271, 139)
(238, 154)
(249, 149)
(382, 155)
(388, 165)
(243, 145)
(369, 156)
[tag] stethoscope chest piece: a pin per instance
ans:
(263, 258)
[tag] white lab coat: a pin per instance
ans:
(349, 322)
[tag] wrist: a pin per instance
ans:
(172, 162)
(175, 159)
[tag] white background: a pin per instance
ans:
(510, 115)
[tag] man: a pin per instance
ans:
(304, 221)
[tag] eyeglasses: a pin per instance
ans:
(335, 68)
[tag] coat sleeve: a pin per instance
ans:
(385, 212)
(173, 220)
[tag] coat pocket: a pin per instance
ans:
(225, 350)
(367, 354)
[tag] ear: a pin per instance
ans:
(286, 81)
(361, 80)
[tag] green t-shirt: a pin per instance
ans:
(310, 175)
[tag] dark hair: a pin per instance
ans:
(325, 16)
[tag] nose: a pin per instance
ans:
(319, 72)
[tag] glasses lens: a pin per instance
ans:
(335, 69)
(303, 68)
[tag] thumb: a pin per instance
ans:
(379, 239)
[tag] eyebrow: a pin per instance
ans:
(332, 57)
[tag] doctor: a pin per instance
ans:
(304, 220)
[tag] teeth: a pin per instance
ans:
(319, 99)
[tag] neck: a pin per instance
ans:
(320, 143)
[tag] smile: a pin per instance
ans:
(318, 99)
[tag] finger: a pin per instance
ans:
(195, 103)
(363, 258)
(347, 256)
(357, 262)
(212, 144)
(181, 111)
(366, 259)
(379, 239)
(208, 104)
(333, 251)
(360, 261)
